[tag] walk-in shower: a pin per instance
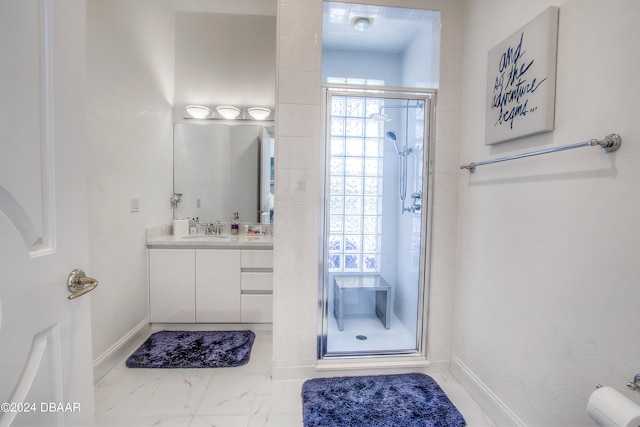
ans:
(375, 245)
(374, 254)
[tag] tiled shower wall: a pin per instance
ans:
(299, 149)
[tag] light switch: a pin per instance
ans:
(134, 204)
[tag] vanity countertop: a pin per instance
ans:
(241, 241)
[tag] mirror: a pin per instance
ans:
(222, 168)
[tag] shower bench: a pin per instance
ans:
(341, 284)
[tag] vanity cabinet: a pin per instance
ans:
(210, 285)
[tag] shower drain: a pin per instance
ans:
(361, 337)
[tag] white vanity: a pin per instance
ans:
(209, 279)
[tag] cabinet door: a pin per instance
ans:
(172, 285)
(217, 285)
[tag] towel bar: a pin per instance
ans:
(608, 144)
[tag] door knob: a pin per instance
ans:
(79, 284)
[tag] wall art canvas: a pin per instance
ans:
(521, 81)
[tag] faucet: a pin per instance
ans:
(213, 229)
(210, 229)
(416, 205)
(176, 199)
(635, 385)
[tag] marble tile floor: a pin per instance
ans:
(244, 396)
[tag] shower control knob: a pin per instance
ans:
(417, 201)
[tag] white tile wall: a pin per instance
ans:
(297, 54)
(297, 183)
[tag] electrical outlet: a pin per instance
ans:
(134, 204)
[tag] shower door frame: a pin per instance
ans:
(429, 97)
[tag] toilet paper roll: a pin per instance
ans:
(608, 408)
(180, 227)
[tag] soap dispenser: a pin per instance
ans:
(235, 223)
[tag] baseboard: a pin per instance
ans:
(124, 346)
(345, 367)
(293, 373)
(489, 402)
(211, 326)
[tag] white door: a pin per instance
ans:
(46, 374)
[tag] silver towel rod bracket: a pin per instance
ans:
(608, 144)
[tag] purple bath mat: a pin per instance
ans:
(407, 400)
(193, 349)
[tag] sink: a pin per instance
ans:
(205, 237)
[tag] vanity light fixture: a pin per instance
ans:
(197, 111)
(228, 112)
(259, 113)
(360, 23)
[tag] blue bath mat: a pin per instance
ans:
(404, 400)
(193, 349)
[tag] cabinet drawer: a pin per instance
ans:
(257, 308)
(257, 259)
(256, 281)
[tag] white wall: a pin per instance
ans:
(129, 128)
(362, 65)
(549, 278)
(420, 67)
(298, 171)
(224, 59)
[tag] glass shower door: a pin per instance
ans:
(375, 228)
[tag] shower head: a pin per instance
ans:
(379, 117)
(382, 117)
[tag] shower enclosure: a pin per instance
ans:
(376, 221)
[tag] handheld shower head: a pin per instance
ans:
(391, 136)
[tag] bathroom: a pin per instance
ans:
(575, 301)
(534, 274)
